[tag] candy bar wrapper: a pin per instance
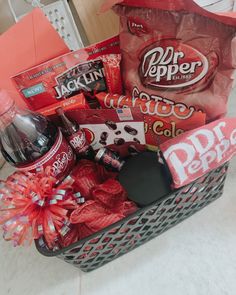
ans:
(63, 77)
(163, 120)
(197, 152)
(75, 102)
(121, 130)
(175, 50)
(111, 63)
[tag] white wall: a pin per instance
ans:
(6, 19)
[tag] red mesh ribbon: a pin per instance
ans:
(108, 206)
(88, 175)
(110, 193)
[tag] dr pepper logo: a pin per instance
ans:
(170, 64)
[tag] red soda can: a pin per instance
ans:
(109, 159)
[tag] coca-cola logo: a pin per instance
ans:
(170, 64)
(61, 162)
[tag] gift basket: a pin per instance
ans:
(123, 139)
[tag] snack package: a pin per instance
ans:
(75, 102)
(111, 63)
(175, 50)
(63, 76)
(86, 77)
(163, 120)
(120, 130)
(197, 152)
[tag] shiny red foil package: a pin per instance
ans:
(175, 50)
(197, 152)
(38, 86)
(163, 120)
(111, 63)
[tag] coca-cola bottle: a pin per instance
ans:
(30, 141)
(76, 137)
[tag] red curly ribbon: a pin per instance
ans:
(33, 206)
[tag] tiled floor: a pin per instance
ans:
(197, 258)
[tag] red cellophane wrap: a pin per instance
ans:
(107, 200)
(34, 205)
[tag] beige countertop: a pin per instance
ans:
(97, 26)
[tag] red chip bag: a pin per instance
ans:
(175, 51)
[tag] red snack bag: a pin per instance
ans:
(163, 120)
(197, 152)
(75, 102)
(37, 85)
(111, 65)
(175, 50)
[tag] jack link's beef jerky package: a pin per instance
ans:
(66, 75)
(175, 51)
